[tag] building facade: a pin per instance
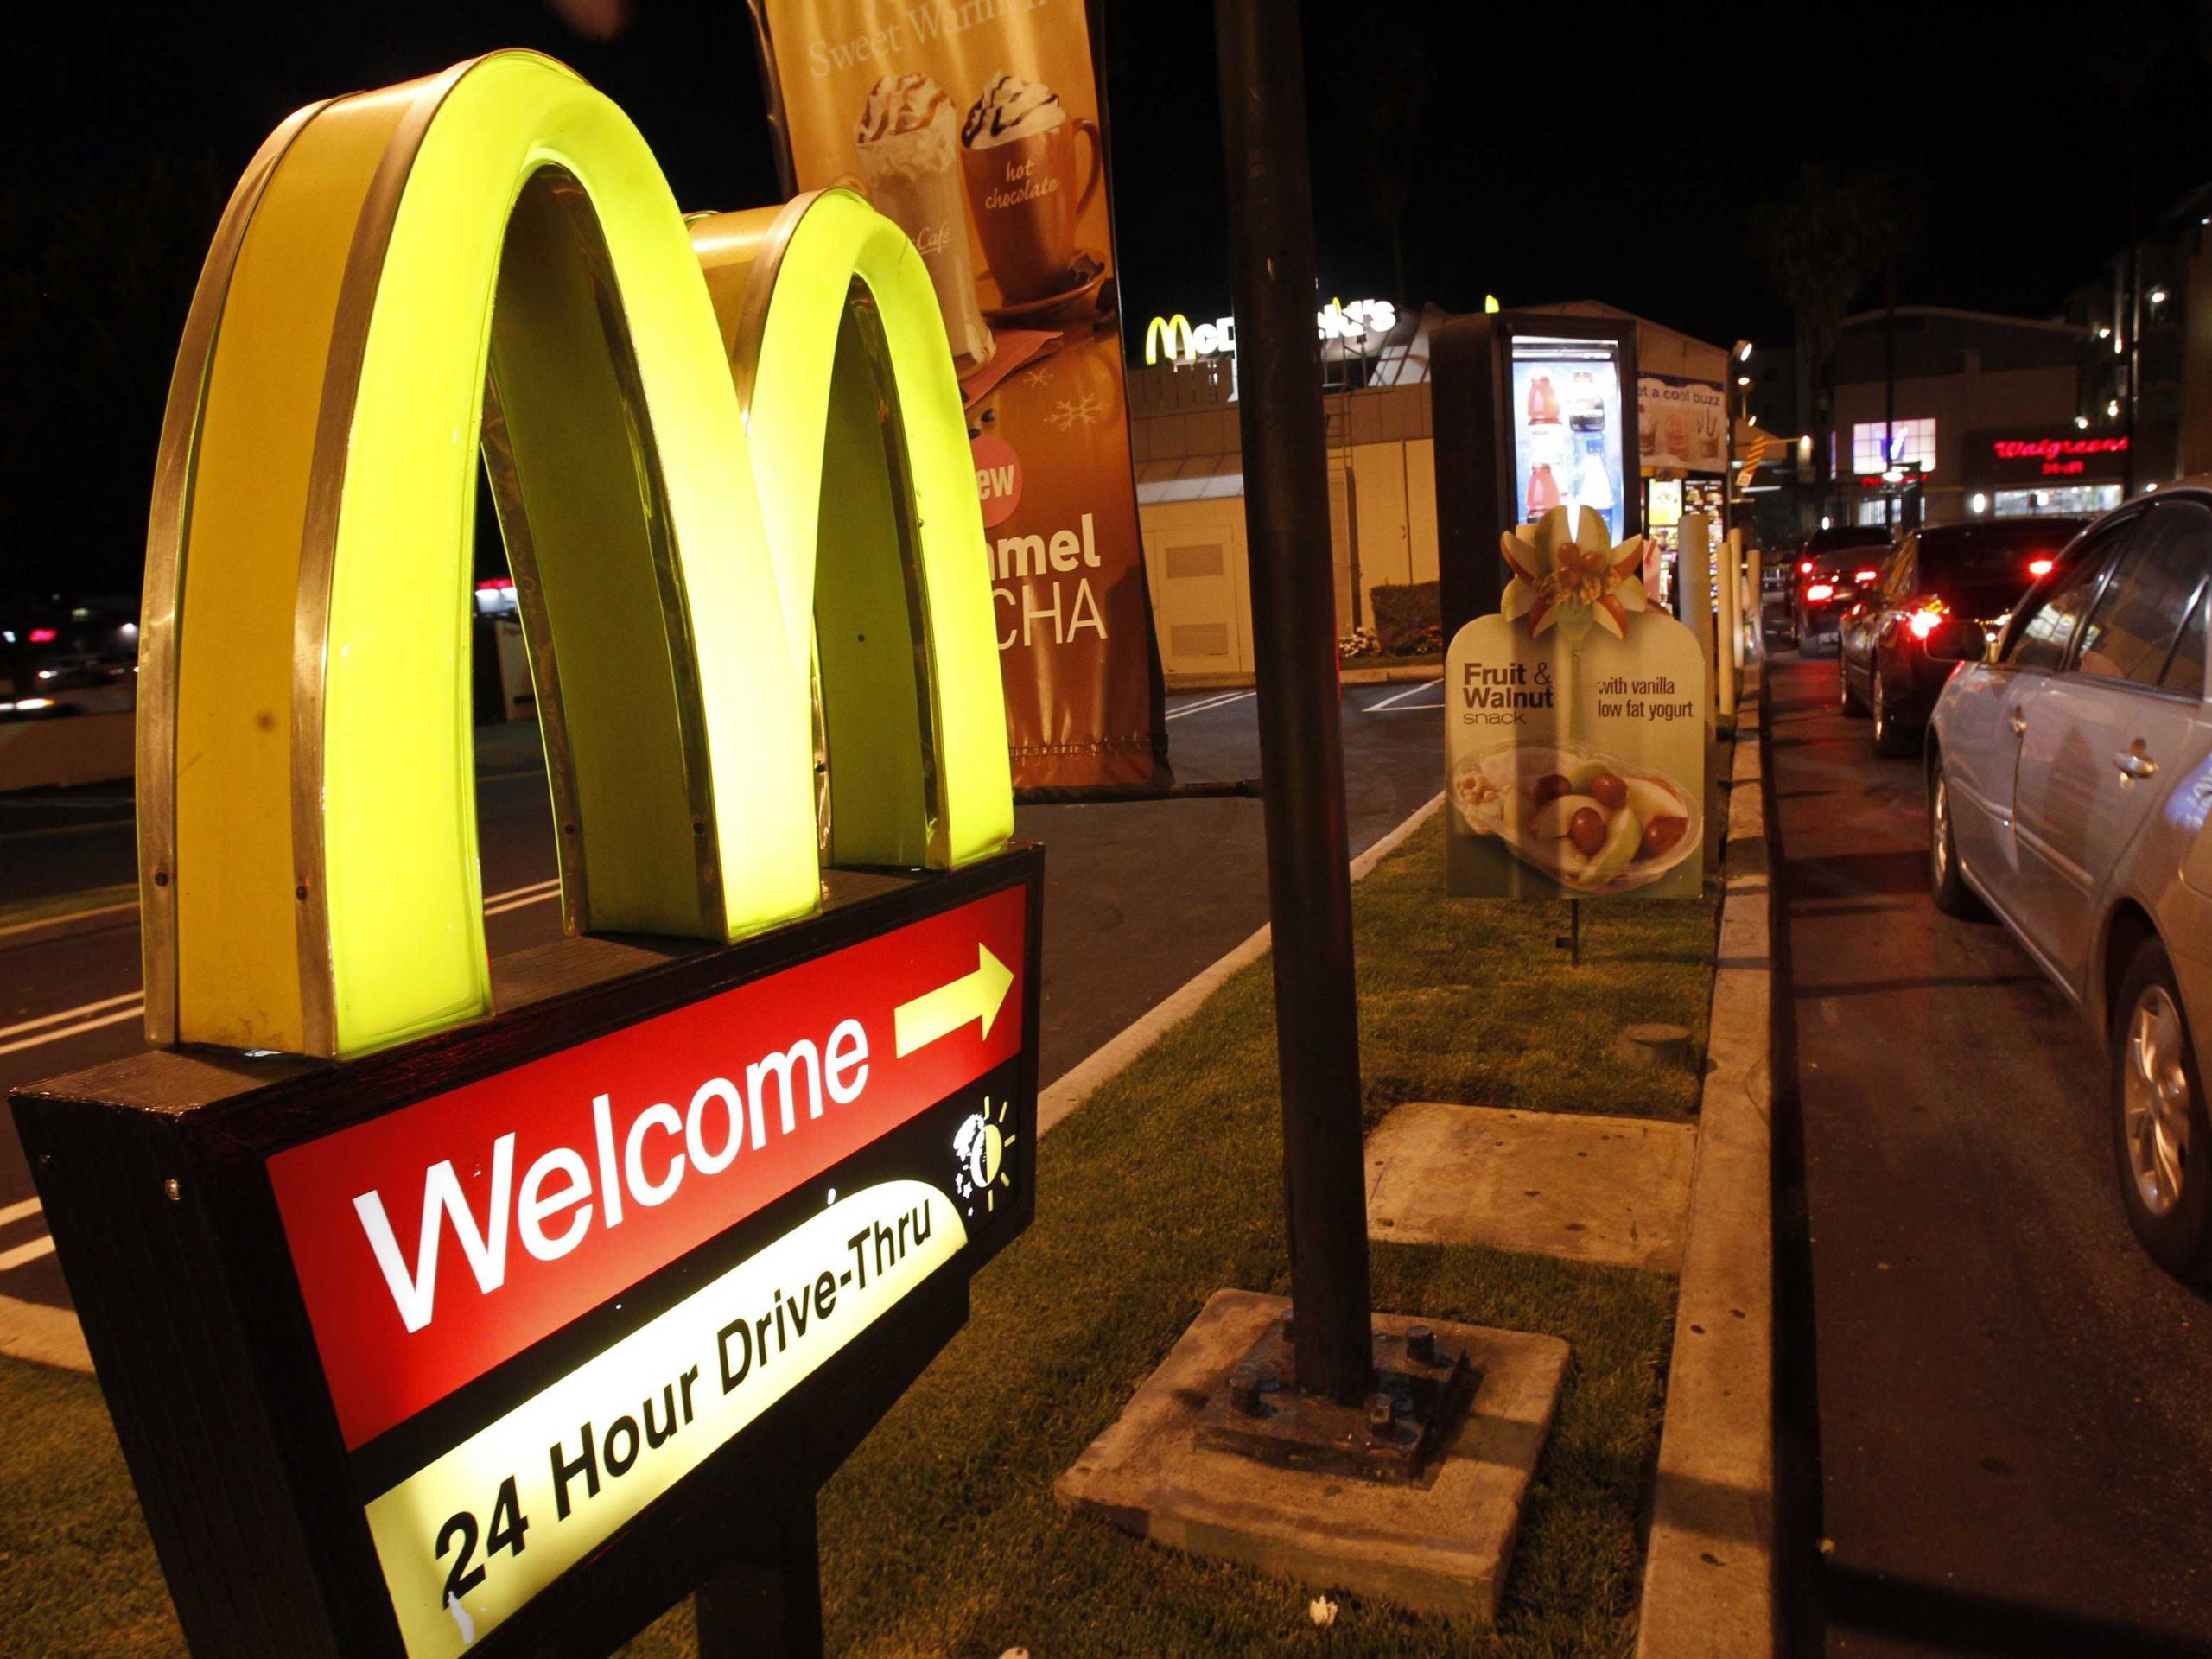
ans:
(1927, 397)
(1381, 474)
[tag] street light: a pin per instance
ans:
(1743, 351)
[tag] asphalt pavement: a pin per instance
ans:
(1138, 898)
(2002, 1410)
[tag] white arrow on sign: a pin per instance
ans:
(940, 1013)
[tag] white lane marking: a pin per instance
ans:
(1219, 703)
(500, 903)
(514, 898)
(1397, 698)
(14, 1212)
(137, 1010)
(67, 915)
(1213, 700)
(534, 888)
(24, 1253)
(67, 1013)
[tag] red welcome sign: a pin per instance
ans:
(435, 1241)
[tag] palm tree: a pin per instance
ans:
(1821, 244)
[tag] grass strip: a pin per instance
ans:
(941, 1535)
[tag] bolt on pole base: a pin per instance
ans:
(1422, 1384)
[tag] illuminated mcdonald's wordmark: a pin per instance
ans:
(1179, 341)
(733, 476)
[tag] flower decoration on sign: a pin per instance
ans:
(1569, 578)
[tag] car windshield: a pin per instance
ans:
(1982, 569)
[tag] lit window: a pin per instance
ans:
(1910, 442)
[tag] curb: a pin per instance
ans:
(1709, 1566)
(1081, 1081)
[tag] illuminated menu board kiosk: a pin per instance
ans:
(446, 1306)
(1532, 412)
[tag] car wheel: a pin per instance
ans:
(1847, 701)
(2161, 1139)
(1890, 738)
(1946, 885)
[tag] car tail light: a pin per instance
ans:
(1818, 591)
(41, 636)
(2040, 567)
(1804, 567)
(1864, 575)
(1922, 623)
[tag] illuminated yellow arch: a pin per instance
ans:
(837, 350)
(307, 835)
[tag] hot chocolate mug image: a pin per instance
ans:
(1018, 152)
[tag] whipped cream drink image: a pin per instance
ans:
(1018, 151)
(908, 142)
(1009, 108)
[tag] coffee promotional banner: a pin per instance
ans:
(975, 126)
(1575, 729)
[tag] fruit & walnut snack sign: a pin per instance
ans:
(1574, 729)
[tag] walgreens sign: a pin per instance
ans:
(2059, 455)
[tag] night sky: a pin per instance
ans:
(1566, 151)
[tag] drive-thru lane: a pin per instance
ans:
(2012, 1407)
(1139, 897)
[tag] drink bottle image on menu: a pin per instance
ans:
(1543, 492)
(1593, 482)
(1586, 404)
(1543, 401)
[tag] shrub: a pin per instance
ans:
(1408, 617)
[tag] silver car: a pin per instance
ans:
(2070, 770)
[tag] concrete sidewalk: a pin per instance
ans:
(1709, 1566)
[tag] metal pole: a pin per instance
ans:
(2134, 323)
(1301, 746)
(766, 1602)
(1890, 399)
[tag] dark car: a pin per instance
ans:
(1832, 567)
(63, 656)
(1978, 572)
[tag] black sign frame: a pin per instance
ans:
(153, 1173)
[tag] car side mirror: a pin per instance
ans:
(1957, 639)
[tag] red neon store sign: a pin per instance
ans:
(2059, 457)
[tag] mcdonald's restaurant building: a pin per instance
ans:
(1382, 461)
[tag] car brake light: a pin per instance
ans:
(1820, 590)
(2040, 567)
(1864, 575)
(1922, 623)
(41, 636)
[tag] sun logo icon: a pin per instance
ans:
(980, 1144)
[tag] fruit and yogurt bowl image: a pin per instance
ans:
(1591, 820)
